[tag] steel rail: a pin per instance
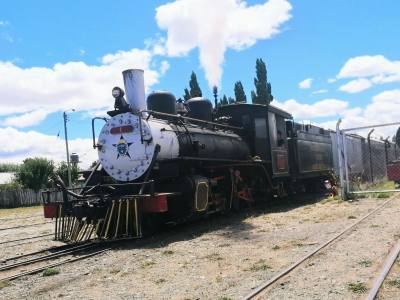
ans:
(24, 226)
(37, 270)
(56, 248)
(259, 291)
(24, 239)
(49, 256)
(390, 260)
(21, 218)
(27, 242)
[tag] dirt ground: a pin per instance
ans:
(226, 257)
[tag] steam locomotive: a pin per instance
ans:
(168, 162)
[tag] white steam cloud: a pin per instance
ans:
(215, 26)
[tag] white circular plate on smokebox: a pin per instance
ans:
(122, 153)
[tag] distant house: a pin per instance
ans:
(6, 177)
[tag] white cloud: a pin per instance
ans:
(368, 70)
(4, 23)
(28, 119)
(215, 26)
(322, 108)
(164, 67)
(21, 145)
(28, 94)
(356, 85)
(331, 80)
(306, 83)
(382, 109)
(365, 66)
(322, 91)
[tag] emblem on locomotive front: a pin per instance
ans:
(122, 147)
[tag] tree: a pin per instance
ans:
(195, 90)
(62, 171)
(239, 92)
(186, 96)
(397, 138)
(231, 100)
(34, 173)
(262, 95)
(8, 167)
(224, 100)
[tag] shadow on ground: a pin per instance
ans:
(232, 223)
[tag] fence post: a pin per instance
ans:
(339, 141)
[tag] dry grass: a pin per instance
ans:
(20, 210)
(260, 265)
(4, 284)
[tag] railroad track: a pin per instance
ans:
(261, 290)
(378, 281)
(25, 239)
(24, 226)
(22, 218)
(33, 258)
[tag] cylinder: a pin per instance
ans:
(134, 88)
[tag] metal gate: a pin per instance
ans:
(368, 159)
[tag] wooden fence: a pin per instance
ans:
(20, 197)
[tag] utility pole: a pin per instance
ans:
(66, 147)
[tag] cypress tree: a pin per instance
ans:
(194, 88)
(231, 100)
(239, 92)
(262, 95)
(186, 96)
(397, 137)
(224, 100)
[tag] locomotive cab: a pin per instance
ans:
(264, 128)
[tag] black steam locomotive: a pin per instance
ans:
(170, 162)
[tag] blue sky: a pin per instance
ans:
(313, 39)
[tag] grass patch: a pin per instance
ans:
(148, 264)
(394, 282)
(115, 271)
(384, 195)
(161, 280)
(365, 263)
(4, 284)
(351, 217)
(329, 199)
(214, 257)
(259, 266)
(51, 272)
(225, 298)
(357, 287)
(276, 247)
(374, 226)
(168, 252)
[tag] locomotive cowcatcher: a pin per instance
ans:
(167, 162)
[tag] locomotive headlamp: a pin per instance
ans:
(117, 92)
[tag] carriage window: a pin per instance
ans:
(277, 130)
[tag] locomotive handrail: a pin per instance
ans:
(190, 119)
(93, 133)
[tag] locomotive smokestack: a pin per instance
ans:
(134, 88)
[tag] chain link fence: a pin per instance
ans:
(368, 159)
